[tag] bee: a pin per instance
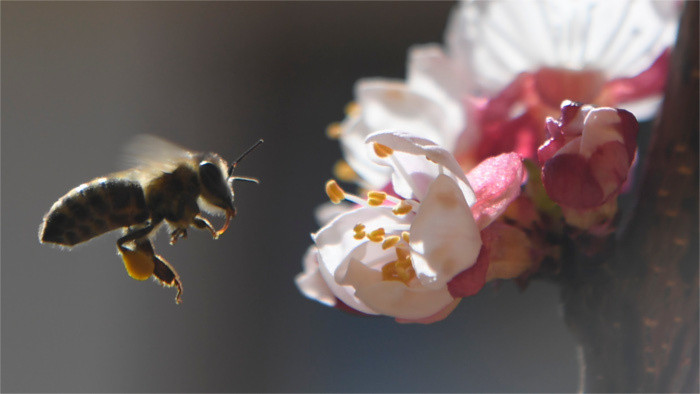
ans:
(168, 184)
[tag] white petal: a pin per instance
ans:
(390, 104)
(599, 128)
(434, 75)
(391, 298)
(444, 235)
(352, 143)
(385, 104)
(337, 247)
(395, 299)
(417, 162)
(311, 283)
(328, 211)
(499, 39)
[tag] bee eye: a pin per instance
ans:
(212, 179)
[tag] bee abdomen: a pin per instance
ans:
(92, 209)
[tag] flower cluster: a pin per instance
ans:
(414, 254)
(450, 205)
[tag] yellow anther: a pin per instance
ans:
(344, 172)
(403, 254)
(376, 194)
(334, 130)
(352, 109)
(406, 236)
(375, 198)
(334, 192)
(390, 241)
(376, 235)
(359, 231)
(382, 151)
(401, 271)
(403, 208)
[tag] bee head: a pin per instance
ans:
(217, 178)
(216, 188)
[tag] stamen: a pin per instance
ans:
(344, 172)
(375, 198)
(403, 254)
(337, 194)
(390, 241)
(400, 270)
(352, 109)
(334, 192)
(359, 230)
(406, 236)
(334, 130)
(376, 235)
(403, 208)
(382, 151)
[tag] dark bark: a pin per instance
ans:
(634, 309)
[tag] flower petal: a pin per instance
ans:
(311, 283)
(412, 172)
(338, 247)
(432, 73)
(500, 40)
(444, 236)
(569, 182)
(394, 298)
(496, 182)
(386, 104)
(352, 144)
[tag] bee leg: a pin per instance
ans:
(177, 234)
(132, 235)
(203, 224)
(166, 274)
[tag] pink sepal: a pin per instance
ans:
(470, 281)
(496, 182)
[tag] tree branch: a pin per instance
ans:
(635, 309)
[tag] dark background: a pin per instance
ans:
(79, 79)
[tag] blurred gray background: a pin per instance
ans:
(79, 79)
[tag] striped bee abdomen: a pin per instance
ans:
(92, 209)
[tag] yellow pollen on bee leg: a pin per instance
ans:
(138, 263)
(334, 130)
(403, 208)
(376, 235)
(390, 242)
(382, 151)
(375, 198)
(344, 172)
(334, 192)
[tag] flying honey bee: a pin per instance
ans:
(167, 184)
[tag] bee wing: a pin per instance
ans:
(154, 155)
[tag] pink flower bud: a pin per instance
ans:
(588, 156)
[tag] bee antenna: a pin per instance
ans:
(235, 163)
